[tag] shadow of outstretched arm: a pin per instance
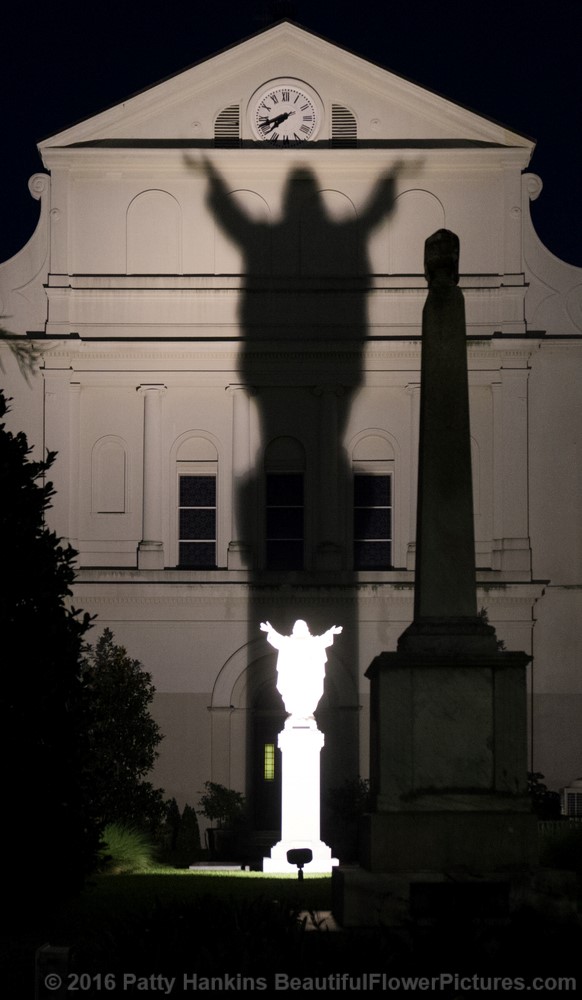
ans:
(224, 208)
(382, 200)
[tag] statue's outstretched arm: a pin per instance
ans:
(274, 637)
(328, 636)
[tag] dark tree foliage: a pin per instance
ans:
(47, 830)
(123, 737)
(187, 847)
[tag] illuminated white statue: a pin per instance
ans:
(300, 676)
(300, 666)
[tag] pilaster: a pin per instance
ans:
(329, 551)
(151, 548)
(511, 544)
(239, 548)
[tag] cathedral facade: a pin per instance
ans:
(224, 292)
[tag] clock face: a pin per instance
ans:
(284, 115)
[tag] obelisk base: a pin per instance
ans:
(448, 730)
(448, 777)
(450, 841)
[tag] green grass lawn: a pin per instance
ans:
(117, 898)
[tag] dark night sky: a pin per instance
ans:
(517, 63)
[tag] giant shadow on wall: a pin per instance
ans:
(303, 328)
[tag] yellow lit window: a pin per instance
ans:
(269, 762)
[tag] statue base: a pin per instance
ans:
(300, 743)
(322, 862)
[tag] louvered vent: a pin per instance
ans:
(344, 129)
(227, 127)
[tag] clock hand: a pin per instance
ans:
(273, 122)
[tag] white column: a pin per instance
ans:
(57, 437)
(300, 747)
(413, 390)
(329, 549)
(74, 461)
(511, 545)
(300, 805)
(151, 547)
(239, 548)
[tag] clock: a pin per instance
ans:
(285, 114)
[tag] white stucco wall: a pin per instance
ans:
(129, 282)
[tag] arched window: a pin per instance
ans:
(416, 215)
(197, 464)
(316, 255)
(154, 232)
(284, 504)
(109, 476)
(373, 467)
(228, 252)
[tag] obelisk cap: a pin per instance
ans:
(441, 256)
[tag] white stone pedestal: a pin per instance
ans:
(300, 743)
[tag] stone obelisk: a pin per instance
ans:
(448, 741)
(444, 587)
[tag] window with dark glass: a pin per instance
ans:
(197, 521)
(372, 521)
(284, 520)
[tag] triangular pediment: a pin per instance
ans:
(388, 109)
